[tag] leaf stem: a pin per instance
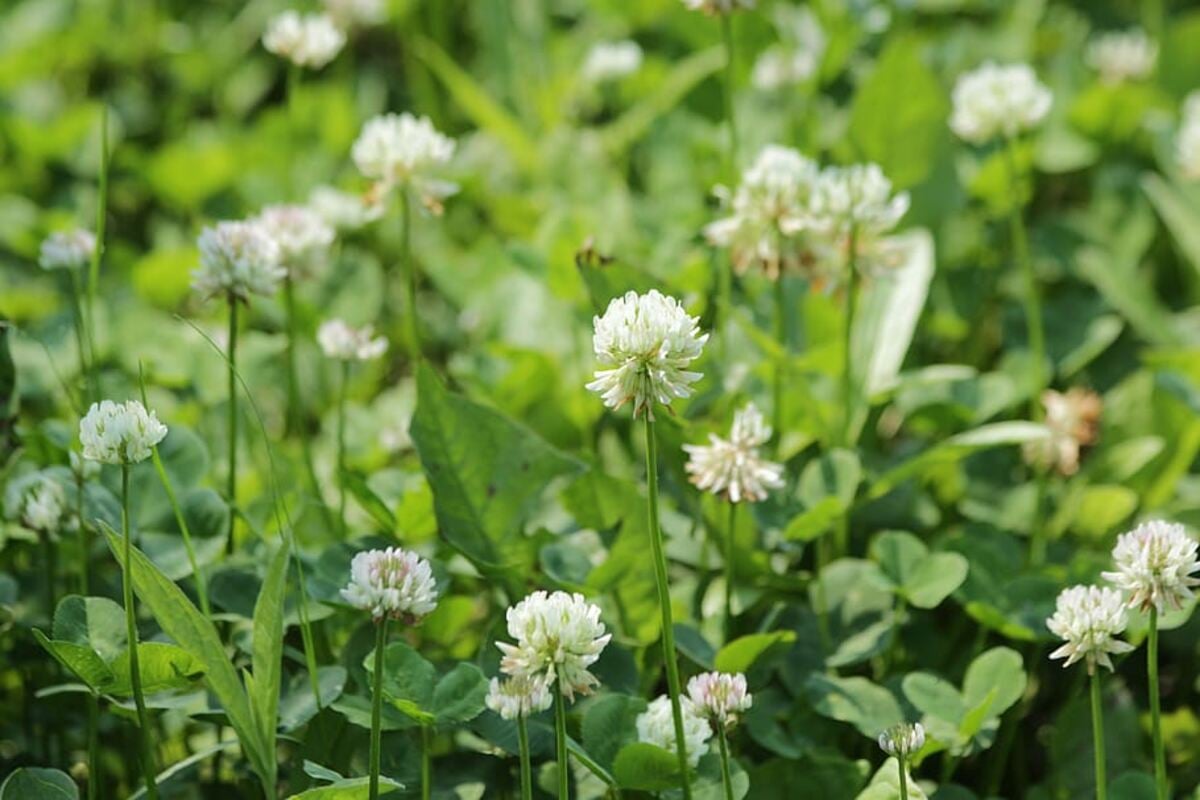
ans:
(131, 635)
(377, 708)
(1160, 760)
(1098, 735)
(526, 768)
(341, 447)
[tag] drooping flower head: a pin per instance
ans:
(307, 40)
(902, 740)
(715, 7)
(644, 344)
(239, 258)
(656, 726)
(1155, 563)
(338, 340)
(1187, 138)
(769, 207)
(41, 503)
(996, 100)
(301, 234)
(720, 698)
(403, 150)
(733, 468)
(71, 249)
(119, 433)
(393, 583)
(1088, 619)
(1121, 56)
(558, 636)
(1072, 418)
(518, 697)
(610, 61)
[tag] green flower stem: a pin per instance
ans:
(1160, 760)
(1032, 299)
(341, 447)
(560, 745)
(85, 539)
(526, 768)
(410, 277)
(664, 604)
(901, 761)
(50, 566)
(426, 763)
(232, 422)
(98, 253)
(781, 366)
(848, 393)
(730, 538)
(85, 373)
(730, 117)
(377, 708)
(1098, 736)
(93, 746)
(135, 671)
(292, 418)
(724, 276)
(726, 778)
(306, 634)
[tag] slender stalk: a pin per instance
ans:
(1098, 736)
(901, 761)
(1160, 760)
(232, 424)
(50, 566)
(724, 276)
(341, 447)
(1032, 299)
(98, 253)
(781, 366)
(730, 117)
(410, 276)
(85, 538)
(426, 764)
(726, 778)
(93, 746)
(292, 417)
(730, 538)
(848, 393)
(377, 708)
(526, 768)
(664, 604)
(560, 746)
(85, 373)
(306, 635)
(135, 671)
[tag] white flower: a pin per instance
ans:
(350, 13)
(1087, 619)
(645, 344)
(1187, 139)
(307, 40)
(857, 198)
(732, 467)
(394, 583)
(997, 101)
(1154, 563)
(609, 61)
(1072, 418)
(343, 210)
(1123, 55)
(718, 6)
(719, 697)
(798, 57)
(338, 340)
(518, 696)
(400, 149)
(301, 234)
(67, 249)
(119, 433)
(656, 726)
(558, 637)
(769, 207)
(902, 740)
(238, 258)
(42, 504)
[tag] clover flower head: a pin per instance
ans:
(1073, 419)
(856, 198)
(356, 13)
(1088, 619)
(997, 100)
(307, 40)
(302, 236)
(339, 340)
(656, 726)
(393, 583)
(400, 149)
(769, 206)
(733, 468)
(42, 504)
(1121, 56)
(518, 697)
(719, 697)
(716, 7)
(645, 342)
(344, 210)
(1187, 138)
(71, 249)
(558, 636)
(1154, 565)
(610, 61)
(239, 258)
(798, 57)
(119, 433)
(902, 740)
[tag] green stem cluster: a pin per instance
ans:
(131, 634)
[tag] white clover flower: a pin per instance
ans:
(343, 210)
(656, 726)
(357, 13)
(403, 150)
(1087, 619)
(798, 57)
(42, 504)
(1187, 138)
(610, 61)
(558, 637)
(714, 7)
(67, 249)
(1072, 418)
(732, 468)
(307, 40)
(1122, 56)
(719, 697)
(1154, 564)
(902, 740)
(768, 208)
(338, 340)
(238, 258)
(645, 343)
(301, 234)
(518, 696)
(997, 101)
(119, 433)
(857, 198)
(393, 583)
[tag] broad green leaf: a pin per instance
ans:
(348, 789)
(408, 680)
(163, 667)
(740, 654)
(267, 647)
(371, 502)
(940, 704)
(1000, 669)
(96, 622)
(297, 706)
(1181, 217)
(35, 783)
(835, 474)
(609, 724)
(885, 784)
(1101, 509)
(816, 520)
(898, 554)
(646, 767)
(459, 695)
(867, 706)
(935, 577)
(81, 660)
